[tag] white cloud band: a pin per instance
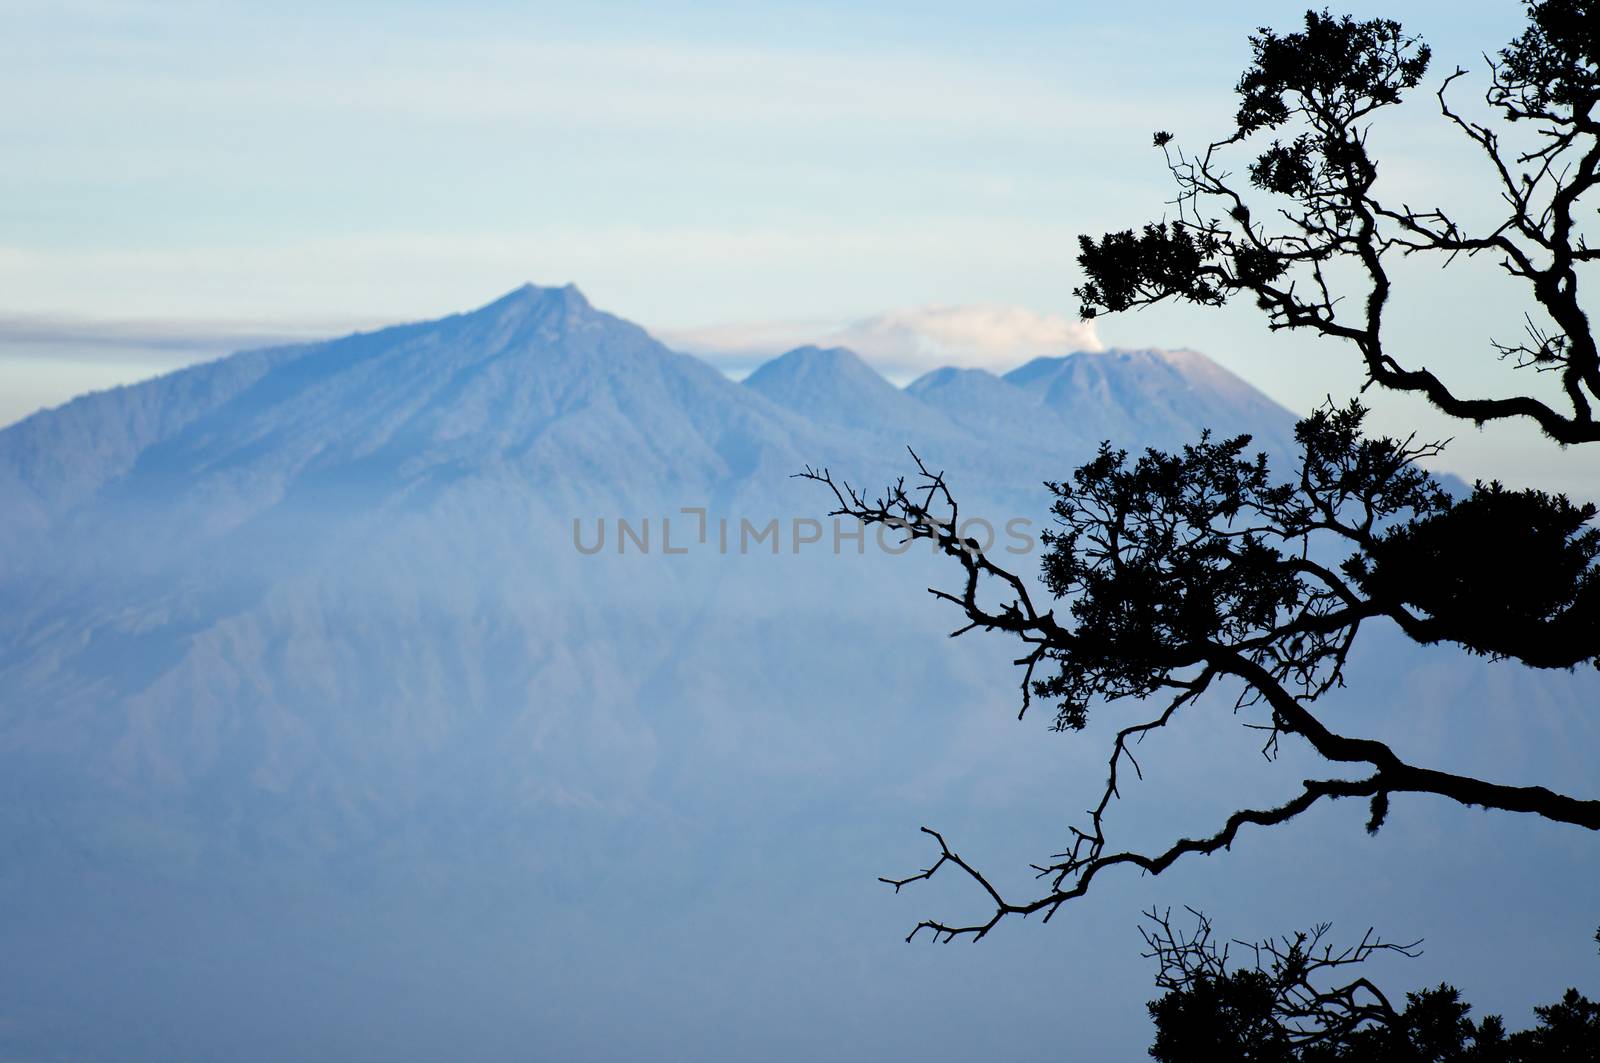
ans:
(902, 343)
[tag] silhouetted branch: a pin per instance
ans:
(1180, 570)
(1299, 972)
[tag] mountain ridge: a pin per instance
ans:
(528, 377)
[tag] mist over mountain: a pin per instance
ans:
(340, 719)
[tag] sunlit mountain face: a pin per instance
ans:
(442, 691)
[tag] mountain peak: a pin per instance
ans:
(1163, 397)
(527, 317)
(833, 385)
(816, 370)
(812, 356)
(952, 376)
(1182, 361)
(536, 297)
(1150, 366)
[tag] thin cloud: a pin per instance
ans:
(983, 336)
(68, 338)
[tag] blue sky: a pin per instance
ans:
(206, 171)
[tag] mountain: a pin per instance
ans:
(829, 383)
(834, 388)
(1132, 398)
(1163, 398)
(487, 687)
(535, 374)
(986, 405)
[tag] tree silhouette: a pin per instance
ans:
(1296, 1001)
(1314, 92)
(1173, 573)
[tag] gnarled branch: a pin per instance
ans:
(1179, 571)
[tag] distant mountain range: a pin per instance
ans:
(168, 537)
(308, 627)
